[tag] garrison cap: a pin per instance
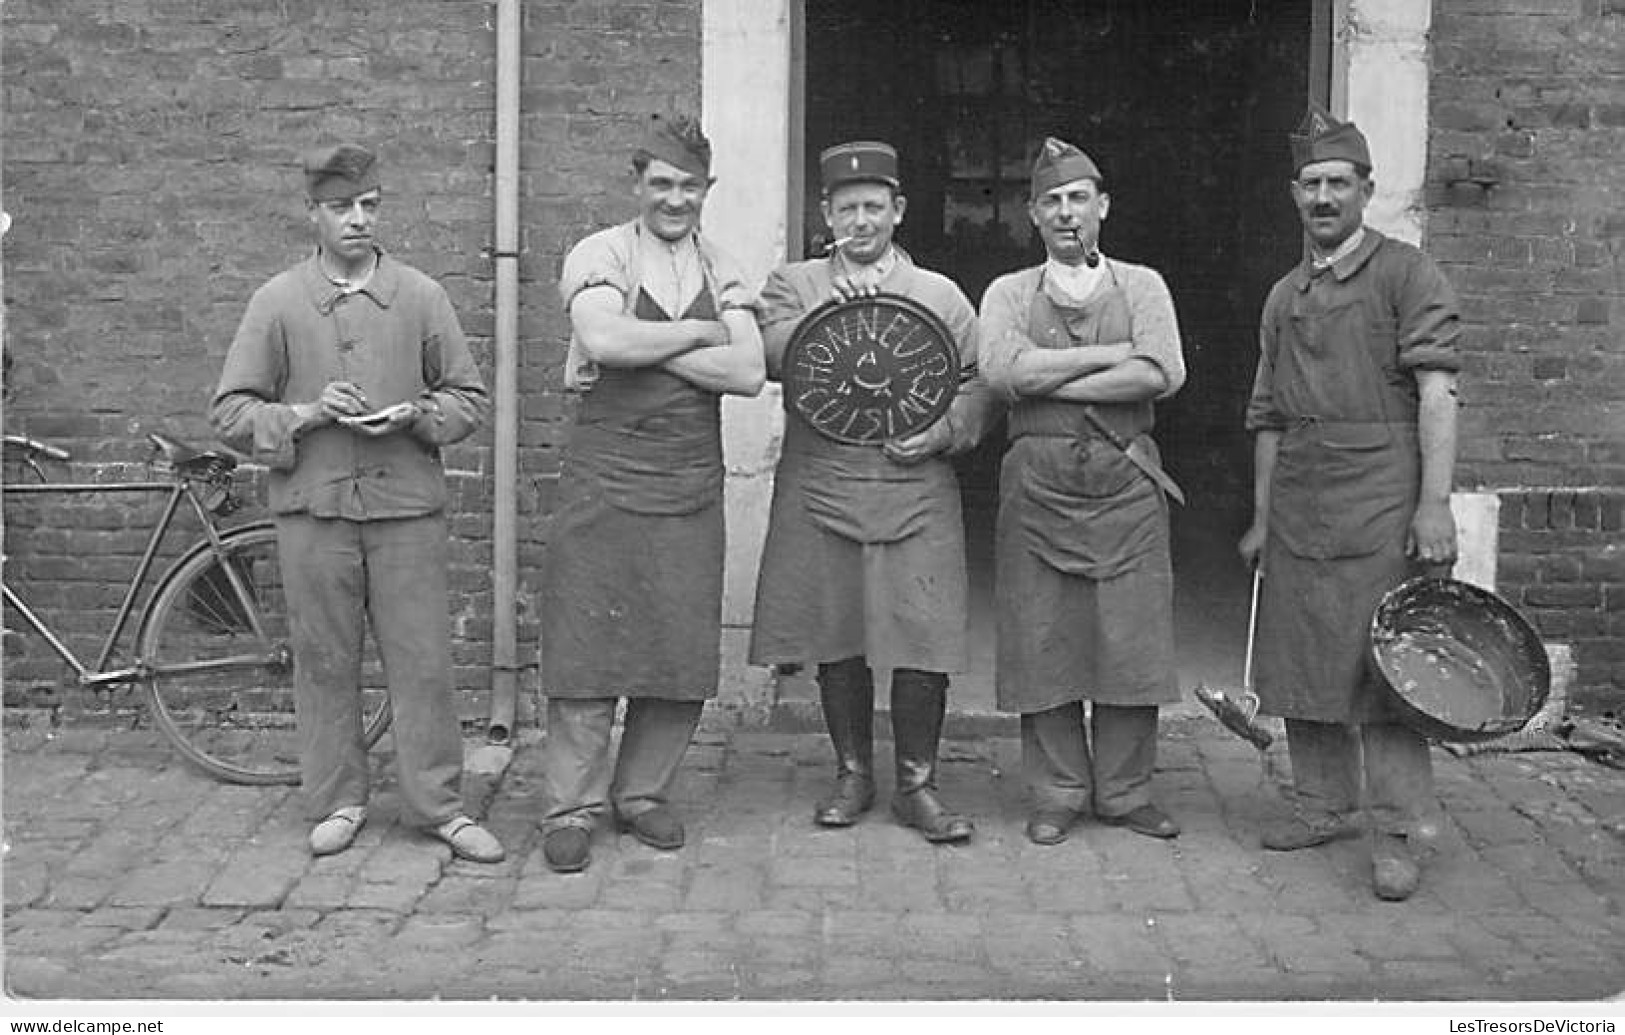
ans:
(858, 161)
(1058, 163)
(342, 171)
(677, 140)
(1322, 138)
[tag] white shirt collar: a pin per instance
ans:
(1075, 282)
(1341, 252)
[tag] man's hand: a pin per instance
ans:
(921, 445)
(338, 399)
(385, 421)
(845, 289)
(1432, 536)
(1251, 546)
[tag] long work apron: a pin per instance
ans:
(632, 582)
(863, 557)
(1085, 583)
(1341, 501)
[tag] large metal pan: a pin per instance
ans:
(1462, 663)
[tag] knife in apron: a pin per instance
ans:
(1140, 460)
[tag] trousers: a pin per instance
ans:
(1329, 758)
(576, 772)
(1062, 771)
(341, 577)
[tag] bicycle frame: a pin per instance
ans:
(99, 674)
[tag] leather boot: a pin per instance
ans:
(846, 690)
(918, 702)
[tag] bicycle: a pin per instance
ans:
(212, 652)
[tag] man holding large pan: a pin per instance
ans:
(1354, 412)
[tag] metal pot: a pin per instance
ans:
(1462, 664)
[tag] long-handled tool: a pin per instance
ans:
(1236, 714)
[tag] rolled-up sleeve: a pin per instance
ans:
(728, 281)
(599, 260)
(248, 412)
(1262, 412)
(1429, 318)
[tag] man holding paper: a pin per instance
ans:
(347, 375)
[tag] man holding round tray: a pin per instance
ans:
(864, 564)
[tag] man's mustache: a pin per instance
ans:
(1323, 210)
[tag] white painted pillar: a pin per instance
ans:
(1384, 48)
(1382, 53)
(745, 105)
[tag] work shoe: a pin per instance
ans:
(1394, 870)
(925, 812)
(1148, 820)
(337, 832)
(1049, 826)
(659, 827)
(854, 795)
(567, 849)
(469, 840)
(1291, 833)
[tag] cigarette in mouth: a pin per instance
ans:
(837, 244)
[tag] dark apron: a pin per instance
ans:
(1085, 586)
(1341, 501)
(632, 587)
(863, 557)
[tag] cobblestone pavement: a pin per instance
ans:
(127, 874)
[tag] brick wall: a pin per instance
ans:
(1562, 564)
(1527, 125)
(150, 169)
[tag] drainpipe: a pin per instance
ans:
(505, 448)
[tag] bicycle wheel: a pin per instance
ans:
(214, 640)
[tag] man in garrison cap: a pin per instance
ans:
(351, 333)
(1353, 410)
(661, 328)
(864, 563)
(1082, 346)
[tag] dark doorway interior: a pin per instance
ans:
(1185, 105)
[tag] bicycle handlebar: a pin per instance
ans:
(34, 447)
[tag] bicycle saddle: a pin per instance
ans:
(189, 460)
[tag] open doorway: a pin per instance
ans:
(1186, 106)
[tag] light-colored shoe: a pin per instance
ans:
(337, 832)
(469, 840)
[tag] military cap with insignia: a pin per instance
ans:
(1060, 163)
(339, 172)
(858, 161)
(1323, 138)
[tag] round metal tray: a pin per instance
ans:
(870, 369)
